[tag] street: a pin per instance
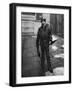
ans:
(31, 62)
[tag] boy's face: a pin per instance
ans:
(43, 22)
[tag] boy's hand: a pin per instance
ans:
(38, 53)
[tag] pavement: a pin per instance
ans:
(57, 53)
(31, 62)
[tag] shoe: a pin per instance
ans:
(48, 73)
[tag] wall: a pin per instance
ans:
(31, 22)
(57, 21)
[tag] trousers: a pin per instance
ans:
(45, 52)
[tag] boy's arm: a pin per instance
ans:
(50, 34)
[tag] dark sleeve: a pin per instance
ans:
(37, 40)
(50, 33)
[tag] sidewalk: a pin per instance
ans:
(31, 62)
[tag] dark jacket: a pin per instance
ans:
(44, 36)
